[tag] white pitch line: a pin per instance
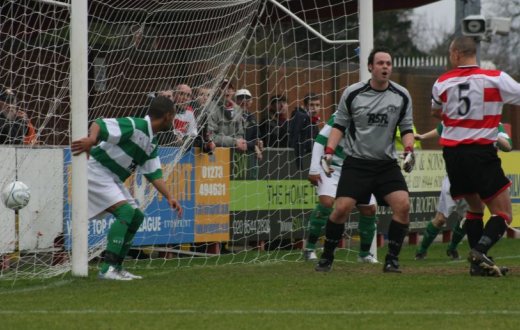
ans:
(37, 288)
(258, 312)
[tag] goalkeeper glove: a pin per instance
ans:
(326, 161)
(409, 159)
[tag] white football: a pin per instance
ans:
(16, 195)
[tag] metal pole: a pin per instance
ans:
(366, 36)
(366, 43)
(464, 8)
(79, 122)
(310, 28)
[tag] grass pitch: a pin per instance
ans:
(435, 293)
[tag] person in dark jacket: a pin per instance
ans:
(303, 127)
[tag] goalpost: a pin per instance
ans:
(65, 77)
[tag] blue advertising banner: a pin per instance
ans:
(161, 224)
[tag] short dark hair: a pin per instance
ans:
(226, 83)
(164, 87)
(160, 107)
(465, 45)
(276, 99)
(8, 96)
(310, 97)
(375, 51)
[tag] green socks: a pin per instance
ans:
(429, 235)
(319, 217)
(137, 220)
(116, 236)
(367, 230)
(457, 236)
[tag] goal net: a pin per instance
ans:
(253, 203)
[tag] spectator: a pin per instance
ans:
(229, 90)
(184, 124)
(275, 128)
(201, 100)
(226, 124)
(165, 138)
(244, 100)
(200, 107)
(15, 126)
(303, 127)
(225, 120)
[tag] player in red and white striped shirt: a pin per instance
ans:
(469, 101)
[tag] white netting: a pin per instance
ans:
(136, 50)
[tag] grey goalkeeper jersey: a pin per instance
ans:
(371, 118)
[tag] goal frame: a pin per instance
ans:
(79, 108)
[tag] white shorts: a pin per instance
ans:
(329, 185)
(447, 205)
(104, 189)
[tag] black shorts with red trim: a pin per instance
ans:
(474, 169)
(360, 178)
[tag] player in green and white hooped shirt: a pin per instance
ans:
(326, 188)
(117, 147)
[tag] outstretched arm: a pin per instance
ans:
(335, 136)
(160, 185)
(85, 144)
(428, 135)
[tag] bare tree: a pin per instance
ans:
(503, 50)
(430, 36)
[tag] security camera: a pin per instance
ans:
(500, 25)
(474, 26)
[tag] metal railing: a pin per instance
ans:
(420, 61)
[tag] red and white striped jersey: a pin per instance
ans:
(185, 124)
(471, 99)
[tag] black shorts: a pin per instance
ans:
(474, 169)
(361, 178)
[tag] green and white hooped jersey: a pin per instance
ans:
(322, 138)
(127, 143)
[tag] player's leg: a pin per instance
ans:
(390, 189)
(137, 220)
(458, 231)
(107, 195)
(457, 234)
(399, 202)
(430, 233)
(445, 207)
(123, 214)
(493, 190)
(327, 192)
(367, 229)
(334, 231)
(501, 217)
(319, 217)
(474, 224)
(351, 183)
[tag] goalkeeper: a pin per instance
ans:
(117, 147)
(447, 205)
(326, 188)
(368, 115)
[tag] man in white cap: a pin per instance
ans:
(244, 100)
